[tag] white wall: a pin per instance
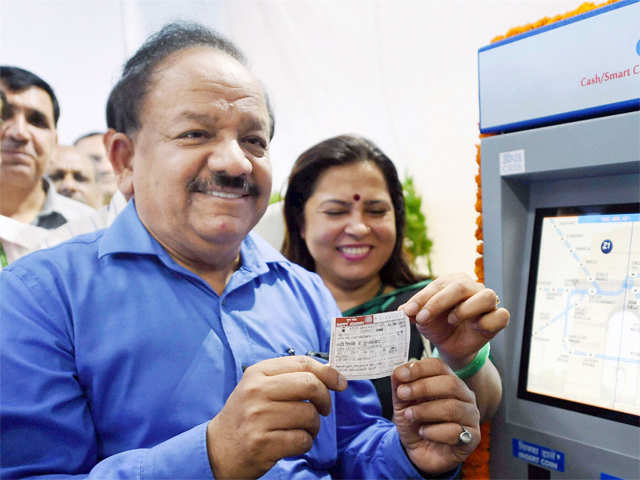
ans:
(402, 72)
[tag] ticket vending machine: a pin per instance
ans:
(561, 227)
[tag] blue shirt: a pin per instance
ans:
(113, 358)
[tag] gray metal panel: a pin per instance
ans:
(576, 149)
(581, 461)
(590, 162)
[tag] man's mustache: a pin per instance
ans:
(240, 184)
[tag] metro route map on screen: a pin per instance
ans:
(581, 345)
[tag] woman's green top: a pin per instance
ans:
(386, 302)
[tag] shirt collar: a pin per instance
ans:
(127, 234)
(23, 234)
(52, 200)
(58, 209)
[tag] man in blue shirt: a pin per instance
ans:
(165, 346)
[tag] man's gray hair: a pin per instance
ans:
(126, 98)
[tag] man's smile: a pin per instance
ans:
(227, 195)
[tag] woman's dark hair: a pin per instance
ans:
(338, 151)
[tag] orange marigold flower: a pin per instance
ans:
(479, 261)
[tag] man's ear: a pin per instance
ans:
(120, 151)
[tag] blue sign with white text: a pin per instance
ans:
(538, 455)
(606, 476)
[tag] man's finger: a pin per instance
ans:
(292, 415)
(295, 386)
(429, 379)
(435, 388)
(331, 377)
(288, 443)
(443, 411)
(427, 367)
(448, 433)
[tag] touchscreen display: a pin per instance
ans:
(581, 345)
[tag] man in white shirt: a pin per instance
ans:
(28, 139)
(31, 116)
(74, 176)
(16, 238)
(92, 145)
(29, 203)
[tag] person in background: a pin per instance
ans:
(162, 346)
(25, 147)
(14, 240)
(92, 145)
(74, 176)
(3, 103)
(270, 226)
(28, 139)
(345, 220)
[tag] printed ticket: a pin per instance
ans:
(369, 346)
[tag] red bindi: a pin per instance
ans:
(356, 197)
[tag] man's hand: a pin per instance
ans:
(458, 315)
(431, 405)
(274, 412)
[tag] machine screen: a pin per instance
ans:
(581, 345)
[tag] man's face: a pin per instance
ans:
(93, 147)
(205, 115)
(27, 136)
(73, 175)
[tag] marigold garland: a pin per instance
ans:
(476, 467)
(584, 8)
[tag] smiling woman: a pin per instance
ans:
(345, 219)
(345, 216)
